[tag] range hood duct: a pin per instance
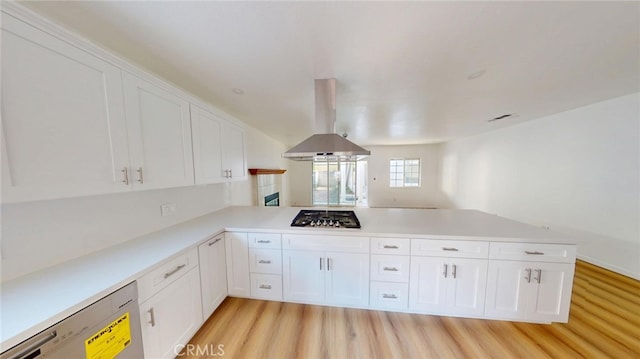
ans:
(326, 144)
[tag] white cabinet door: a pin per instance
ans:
(532, 291)
(171, 317)
(207, 147)
(551, 300)
(507, 290)
(159, 132)
(63, 122)
(428, 285)
(303, 276)
(238, 278)
(233, 152)
(454, 286)
(213, 274)
(347, 278)
(466, 288)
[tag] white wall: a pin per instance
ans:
(37, 235)
(381, 195)
(576, 172)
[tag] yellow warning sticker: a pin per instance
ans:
(110, 340)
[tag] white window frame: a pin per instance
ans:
(402, 169)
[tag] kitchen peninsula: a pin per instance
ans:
(444, 262)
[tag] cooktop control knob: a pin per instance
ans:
(312, 224)
(324, 223)
(337, 224)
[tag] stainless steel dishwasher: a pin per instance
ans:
(106, 329)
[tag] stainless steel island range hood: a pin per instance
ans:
(326, 144)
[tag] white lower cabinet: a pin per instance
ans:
(171, 317)
(254, 265)
(213, 274)
(529, 291)
(238, 279)
(448, 286)
(326, 277)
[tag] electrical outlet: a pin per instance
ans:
(168, 209)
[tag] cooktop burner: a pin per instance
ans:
(326, 219)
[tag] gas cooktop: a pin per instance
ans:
(326, 219)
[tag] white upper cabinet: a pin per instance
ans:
(233, 154)
(159, 128)
(63, 120)
(207, 148)
(218, 148)
(75, 124)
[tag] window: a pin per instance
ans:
(339, 183)
(404, 172)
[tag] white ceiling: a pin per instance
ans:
(402, 67)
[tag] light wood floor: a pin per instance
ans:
(604, 323)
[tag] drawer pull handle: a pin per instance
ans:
(453, 271)
(535, 253)
(169, 274)
(214, 242)
(390, 269)
(263, 241)
(450, 249)
(264, 261)
(389, 296)
(444, 272)
(265, 286)
(387, 246)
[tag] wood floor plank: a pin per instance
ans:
(603, 323)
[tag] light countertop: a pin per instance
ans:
(34, 302)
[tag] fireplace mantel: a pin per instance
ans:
(266, 171)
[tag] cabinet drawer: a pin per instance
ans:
(451, 249)
(166, 273)
(266, 286)
(265, 240)
(401, 246)
(390, 268)
(389, 295)
(350, 244)
(560, 253)
(268, 261)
